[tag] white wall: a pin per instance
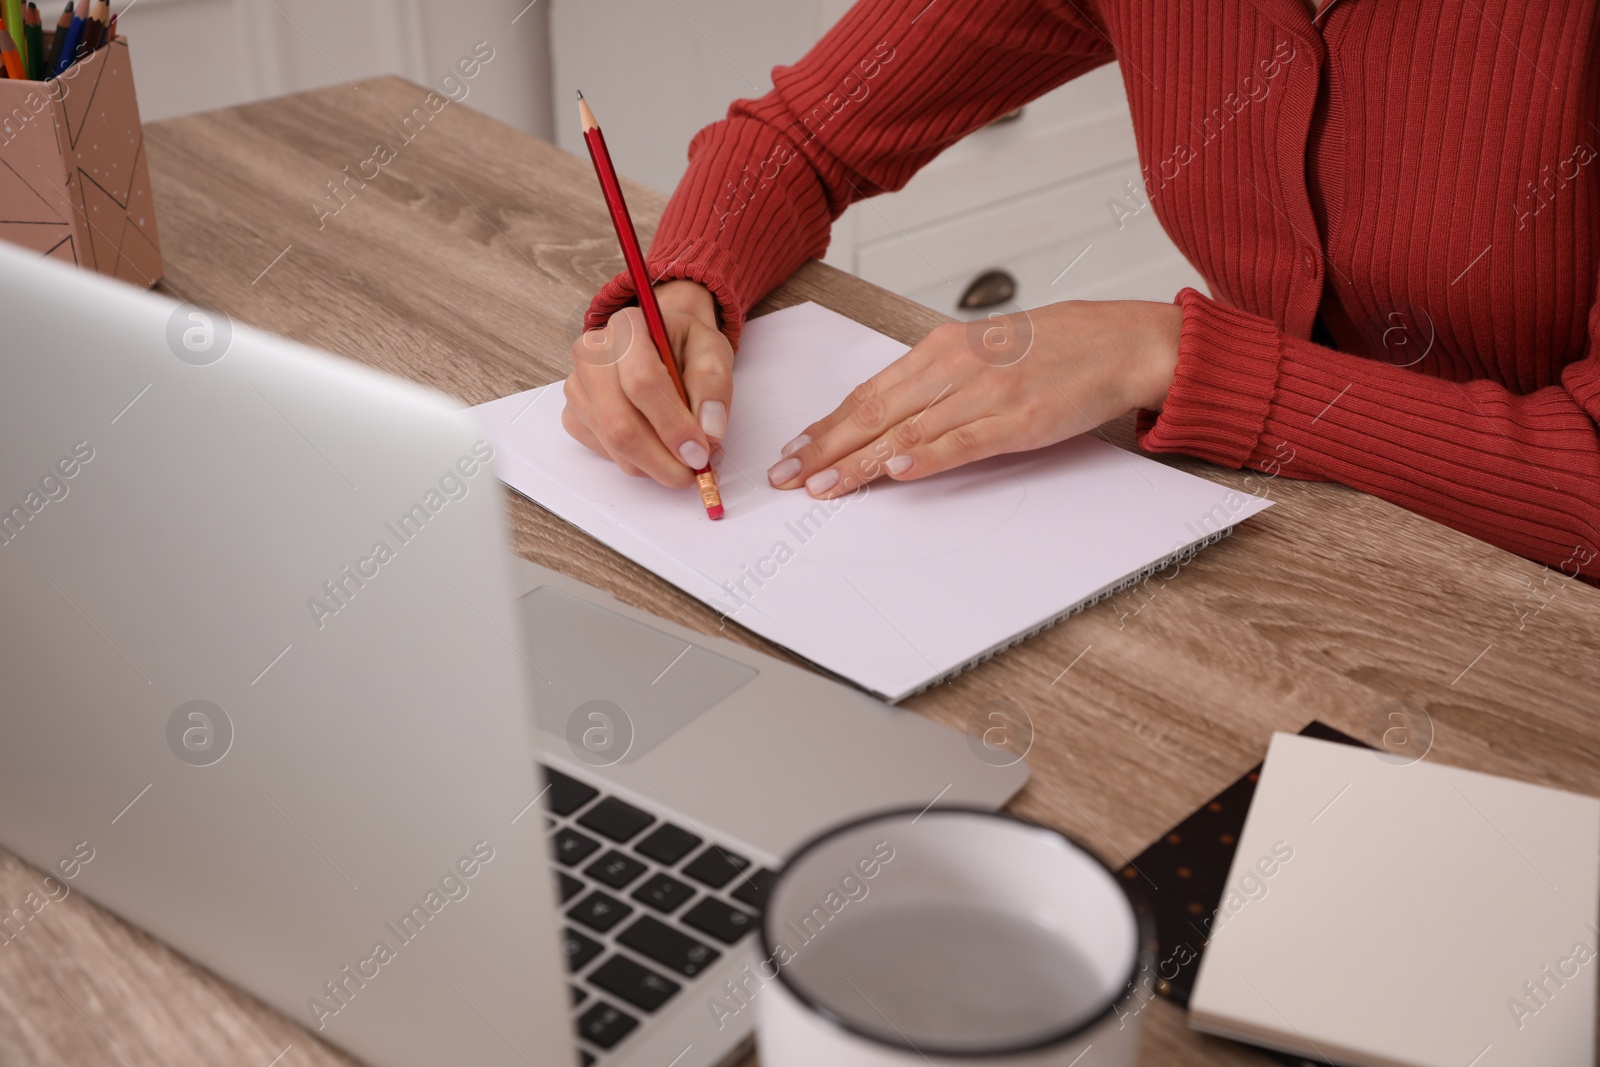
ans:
(656, 71)
(194, 55)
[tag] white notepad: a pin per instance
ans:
(899, 585)
(1425, 916)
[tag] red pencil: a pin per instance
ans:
(94, 31)
(705, 477)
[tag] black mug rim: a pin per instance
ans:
(1144, 934)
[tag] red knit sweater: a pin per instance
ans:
(1423, 174)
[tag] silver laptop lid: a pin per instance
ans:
(256, 636)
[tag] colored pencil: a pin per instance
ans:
(9, 54)
(15, 22)
(94, 30)
(35, 32)
(705, 477)
(69, 51)
(58, 39)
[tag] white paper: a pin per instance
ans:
(899, 584)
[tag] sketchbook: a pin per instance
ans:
(901, 584)
(1397, 912)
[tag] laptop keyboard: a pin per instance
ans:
(647, 907)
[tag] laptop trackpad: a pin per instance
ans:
(613, 687)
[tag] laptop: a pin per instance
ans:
(277, 691)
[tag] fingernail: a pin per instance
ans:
(783, 470)
(714, 418)
(796, 445)
(822, 481)
(899, 464)
(694, 453)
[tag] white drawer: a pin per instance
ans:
(1060, 219)
(1078, 128)
(1138, 263)
(1026, 197)
(1160, 280)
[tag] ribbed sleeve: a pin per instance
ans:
(1521, 471)
(1227, 374)
(887, 89)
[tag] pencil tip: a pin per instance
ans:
(585, 116)
(580, 94)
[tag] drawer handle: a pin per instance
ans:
(989, 289)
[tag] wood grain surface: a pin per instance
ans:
(465, 264)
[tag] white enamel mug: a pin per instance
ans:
(952, 936)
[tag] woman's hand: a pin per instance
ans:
(622, 405)
(972, 390)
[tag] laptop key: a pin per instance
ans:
(667, 844)
(715, 867)
(579, 949)
(599, 911)
(639, 986)
(587, 1059)
(566, 794)
(672, 949)
(664, 893)
(616, 819)
(570, 886)
(572, 848)
(615, 870)
(604, 1025)
(723, 922)
(578, 995)
(753, 887)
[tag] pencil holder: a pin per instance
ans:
(74, 184)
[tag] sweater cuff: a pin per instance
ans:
(1582, 380)
(1226, 377)
(695, 260)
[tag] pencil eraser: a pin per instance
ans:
(715, 511)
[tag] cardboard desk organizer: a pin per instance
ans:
(73, 179)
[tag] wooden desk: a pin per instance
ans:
(465, 264)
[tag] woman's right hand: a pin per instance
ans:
(621, 403)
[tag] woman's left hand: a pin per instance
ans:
(972, 390)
